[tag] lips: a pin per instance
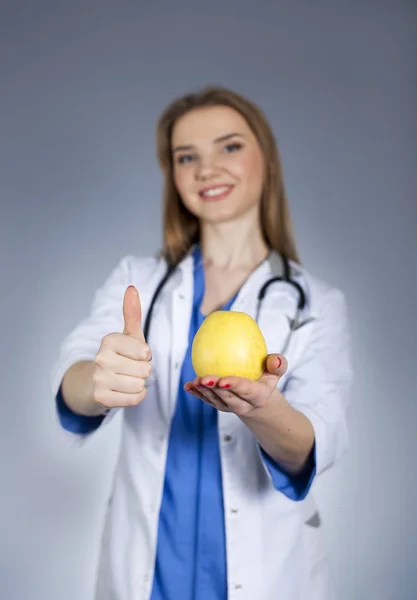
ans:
(217, 192)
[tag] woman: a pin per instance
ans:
(211, 497)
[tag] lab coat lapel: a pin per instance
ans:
(181, 307)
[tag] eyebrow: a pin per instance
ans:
(218, 140)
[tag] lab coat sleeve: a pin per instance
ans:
(294, 487)
(319, 385)
(106, 316)
(72, 422)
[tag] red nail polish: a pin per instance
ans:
(225, 385)
(210, 383)
(279, 362)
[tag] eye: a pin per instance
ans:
(185, 158)
(232, 147)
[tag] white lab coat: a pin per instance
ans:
(272, 554)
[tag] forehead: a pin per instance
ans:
(202, 125)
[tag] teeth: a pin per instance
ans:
(216, 191)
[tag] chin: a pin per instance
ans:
(219, 216)
(218, 212)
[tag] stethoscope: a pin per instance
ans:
(294, 323)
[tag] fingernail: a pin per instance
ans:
(279, 362)
(225, 385)
(210, 383)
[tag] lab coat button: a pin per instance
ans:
(238, 586)
(227, 438)
(234, 511)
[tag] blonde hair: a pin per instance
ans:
(180, 227)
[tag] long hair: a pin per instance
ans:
(180, 227)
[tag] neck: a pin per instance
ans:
(232, 245)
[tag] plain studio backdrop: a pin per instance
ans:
(82, 85)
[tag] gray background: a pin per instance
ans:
(82, 84)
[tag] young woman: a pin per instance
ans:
(211, 497)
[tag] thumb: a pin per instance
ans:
(276, 365)
(132, 313)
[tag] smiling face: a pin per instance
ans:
(218, 164)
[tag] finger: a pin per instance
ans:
(207, 381)
(244, 395)
(254, 392)
(276, 364)
(196, 392)
(228, 401)
(241, 405)
(213, 398)
(225, 402)
(126, 346)
(122, 365)
(132, 314)
(275, 367)
(207, 386)
(112, 399)
(118, 383)
(204, 394)
(138, 369)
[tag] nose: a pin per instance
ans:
(206, 169)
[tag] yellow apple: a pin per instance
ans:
(229, 343)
